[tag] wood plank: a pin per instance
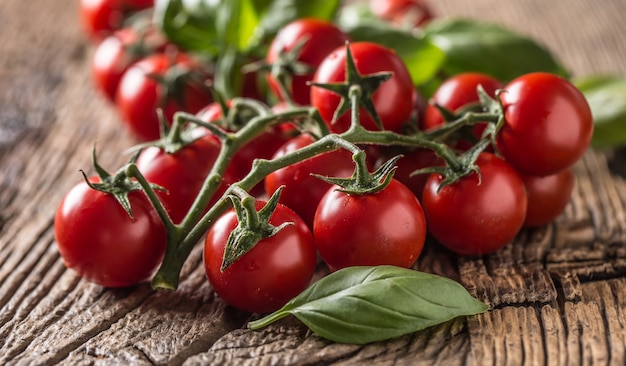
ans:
(557, 293)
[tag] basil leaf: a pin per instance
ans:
(237, 21)
(232, 33)
(367, 304)
(606, 96)
(489, 48)
(213, 25)
(190, 25)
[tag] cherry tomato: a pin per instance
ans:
(274, 271)
(411, 161)
(99, 18)
(456, 93)
(547, 196)
(116, 53)
(99, 240)
(141, 93)
(409, 13)
(387, 227)
(393, 100)
(419, 108)
(474, 218)
(302, 191)
(321, 38)
(183, 173)
(548, 124)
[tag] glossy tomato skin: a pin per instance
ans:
(98, 240)
(393, 100)
(474, 219)
(548, 124)
(99, 18)
(183, 173)
(116, 53)
(409, 13)
(140, 94)
(274, 271)
(457, 92)
(387, 227)
(411, 161)
(321, 37)
(547, 196)
(302, 191)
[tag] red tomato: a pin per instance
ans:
(321, 36)
(393, 100)
(474, 218)
(116, 53)
(411, 161)
(387, 227)
(303, 191)
(548, 124)
(411, 13)
(99, 18)
(419, 108)
(547, 196)
(98, 240)
(456, 93)
(140, 94)
(183, 173)
(274, 271)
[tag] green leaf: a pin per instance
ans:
(489, 48)
(213, 25)
(360, 305)
(189, 24)
(606, 96)
(232, 33)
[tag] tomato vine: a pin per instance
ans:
(358, 97)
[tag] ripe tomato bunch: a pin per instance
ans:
(546, 127)
(341, 159)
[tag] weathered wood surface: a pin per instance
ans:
(558, 294)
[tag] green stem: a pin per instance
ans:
(469, 118)
(133, 172)
(267, 320)
(194, 225)
(182, 238)
(285, 93)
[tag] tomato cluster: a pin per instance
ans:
(547, 126)
(496, 157)
(136, 68)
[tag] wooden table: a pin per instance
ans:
(558, 293)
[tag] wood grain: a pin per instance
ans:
(558, 293)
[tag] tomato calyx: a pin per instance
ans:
(362, 181)
(286, 66)
(148, 40)
(488, 110)
(253, 225)
(175, 80)
(119, 185)
(361, 87)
